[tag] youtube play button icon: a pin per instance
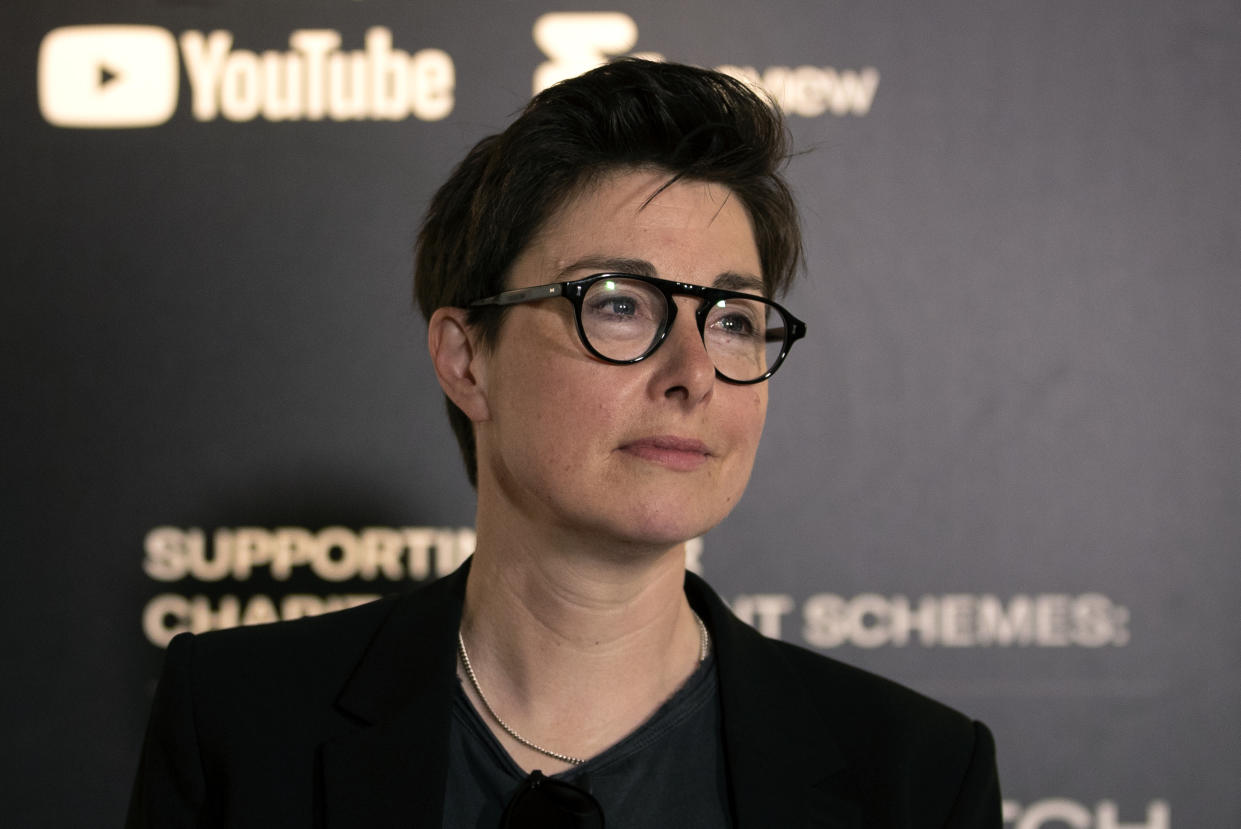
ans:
(108, 76)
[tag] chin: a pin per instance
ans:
(673, 521)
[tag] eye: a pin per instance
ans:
(623, 301)
(615, 305)
(735, 324)
(738, 318)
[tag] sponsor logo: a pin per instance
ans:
(108, 76)
(575, 42)
(1058, 812)
(315, 79)
(955, 620)
(128, 76)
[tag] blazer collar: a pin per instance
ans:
(781, 757)
(391, 773)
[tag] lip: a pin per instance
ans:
(671, 451)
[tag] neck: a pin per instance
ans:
(575, 649)
(535, 610)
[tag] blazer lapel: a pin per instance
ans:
(391, 771)
(780, 753)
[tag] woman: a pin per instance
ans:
(597, 281)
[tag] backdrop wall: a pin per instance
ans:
(1004, 468)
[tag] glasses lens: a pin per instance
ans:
(744, 337)
(545, 803)
(623, 317)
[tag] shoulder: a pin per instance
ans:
(311, 644)
(286, 671)
(875, 715)
(315, 648)
(860, 706)
(907, 759)
(270, 678)
(903, 758)
(241, 715)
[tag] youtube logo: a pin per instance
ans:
(108, 76)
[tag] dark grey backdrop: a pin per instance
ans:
(1016, 414)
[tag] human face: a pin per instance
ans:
(651, 453)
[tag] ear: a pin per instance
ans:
(459, 362)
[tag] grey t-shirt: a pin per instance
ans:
(668, 772)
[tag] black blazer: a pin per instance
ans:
(342, 720)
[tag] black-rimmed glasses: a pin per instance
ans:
(622, 318)
(547, 803)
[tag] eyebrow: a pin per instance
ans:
(729, 280)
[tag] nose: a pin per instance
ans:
(686, 371)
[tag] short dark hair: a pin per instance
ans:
(694, 123)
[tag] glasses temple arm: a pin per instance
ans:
(521, 295)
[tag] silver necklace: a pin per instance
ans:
(704, 647)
